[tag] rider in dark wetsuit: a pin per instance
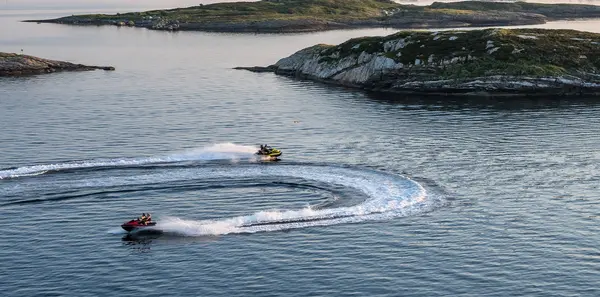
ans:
(145, 218)
(264, 149)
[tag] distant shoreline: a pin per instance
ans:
(291, 16)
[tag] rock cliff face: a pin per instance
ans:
(15, 64)
(492, 62)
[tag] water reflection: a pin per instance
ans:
(139, 243)
(144, 240)
(472, 102)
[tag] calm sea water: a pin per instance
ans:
(375, 195)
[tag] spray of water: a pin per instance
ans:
(388, 196)
(222, 151)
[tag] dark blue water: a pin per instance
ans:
(374, 195)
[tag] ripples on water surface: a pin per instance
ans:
(375, 195)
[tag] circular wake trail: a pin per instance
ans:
(223, 151)
(388, 196)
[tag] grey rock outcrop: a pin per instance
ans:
(16, 64)
(493, 62)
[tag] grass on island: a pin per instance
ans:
(340, 10)
(263, 10)
(550, 10)
(532, 52)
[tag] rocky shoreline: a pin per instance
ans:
(492, 62)
(16, 64)
(286, 16)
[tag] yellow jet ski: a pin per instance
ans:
(268, 151)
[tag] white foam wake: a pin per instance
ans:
(222, 151)
(388, 196)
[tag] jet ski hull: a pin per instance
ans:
(277, 154)
(133, 225)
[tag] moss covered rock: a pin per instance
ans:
(492, 61)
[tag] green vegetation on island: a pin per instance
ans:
(314, 15)
(491, 61)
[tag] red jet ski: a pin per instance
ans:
(137, 224)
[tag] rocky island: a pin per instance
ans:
(17, 64)
(316, 15)
(491, 62)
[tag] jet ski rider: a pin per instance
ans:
(264, 149)
(145, 218)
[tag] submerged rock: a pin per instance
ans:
(479, 62)
(15, 64)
